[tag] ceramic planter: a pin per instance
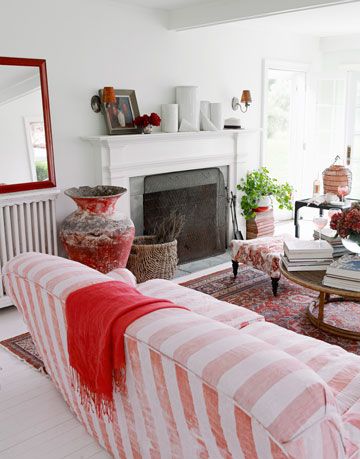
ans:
(95, 234)
(263, 204)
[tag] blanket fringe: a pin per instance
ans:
(93, 401)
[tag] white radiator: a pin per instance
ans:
(27, 224)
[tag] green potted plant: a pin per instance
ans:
(257, 186)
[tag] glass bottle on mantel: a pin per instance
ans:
(316, 187)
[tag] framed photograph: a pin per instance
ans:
(119, 117)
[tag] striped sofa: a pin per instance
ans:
(213, 382)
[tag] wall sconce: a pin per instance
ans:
(245, 99)
(108, 97)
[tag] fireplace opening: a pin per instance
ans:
(199, 195)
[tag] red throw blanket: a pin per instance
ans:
(97, 317)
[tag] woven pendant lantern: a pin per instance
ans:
(336, 175)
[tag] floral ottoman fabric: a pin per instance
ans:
(262, 253)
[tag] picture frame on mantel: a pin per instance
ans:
(120, 116)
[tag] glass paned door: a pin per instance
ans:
(353, 130)
(329, 123)
(284, 144)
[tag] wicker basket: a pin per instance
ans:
(149, 260)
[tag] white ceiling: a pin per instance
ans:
(322, 22)
(166, 4)
(326, 21)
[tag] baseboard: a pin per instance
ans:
(5, 301)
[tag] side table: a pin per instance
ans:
(306, 203)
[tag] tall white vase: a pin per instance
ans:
(216, 115)
(204, 114)
(187, 97)
(205, 108)
(169, 117)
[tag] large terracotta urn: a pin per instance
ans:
(95, 234)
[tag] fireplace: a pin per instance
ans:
(200, 196)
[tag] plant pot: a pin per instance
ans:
(263, 204)
(147, 129)
(149, 260)
(352, 243)
(95, 235)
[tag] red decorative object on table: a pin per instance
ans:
(146, 122)
(95, 234)
(347, 222)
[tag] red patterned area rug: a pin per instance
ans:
(252, 290)
(23, 347)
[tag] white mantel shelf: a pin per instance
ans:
(119, 158)
(167, 137)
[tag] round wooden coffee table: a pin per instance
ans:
(315, 312)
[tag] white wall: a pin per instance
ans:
(89, 44)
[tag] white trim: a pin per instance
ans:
(220, 12)
(165, 136)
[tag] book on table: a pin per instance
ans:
(298, 249)
(344, 284)
(306, 265)
(346, 267)
(344, 273)
(335, 241)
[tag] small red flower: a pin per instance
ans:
(138, 121)
(347, 221)
(144, 120)
(155, 119)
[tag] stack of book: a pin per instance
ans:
(302, 255)
(344, 273)
(261, 225)
(328, 235)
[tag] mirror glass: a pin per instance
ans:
(26, 160)
(23, 146)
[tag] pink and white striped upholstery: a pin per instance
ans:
(205, 383)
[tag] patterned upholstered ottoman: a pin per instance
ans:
(262, 254)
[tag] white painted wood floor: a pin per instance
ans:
(35, 422)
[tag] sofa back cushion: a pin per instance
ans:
(281, 393)
(206, 305)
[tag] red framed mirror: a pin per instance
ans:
(26, 148)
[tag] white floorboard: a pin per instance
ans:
(35, 422)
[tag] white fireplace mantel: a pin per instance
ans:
(119, 158)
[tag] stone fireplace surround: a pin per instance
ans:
(124, 160)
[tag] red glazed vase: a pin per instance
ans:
(95, 234)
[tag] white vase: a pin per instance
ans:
(185, 126)
(187, 97)
(216, 115)
(264, 201)
(169, 117)
(206, 124)
(205, 107)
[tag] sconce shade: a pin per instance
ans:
(246, 97)
(108, 95)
